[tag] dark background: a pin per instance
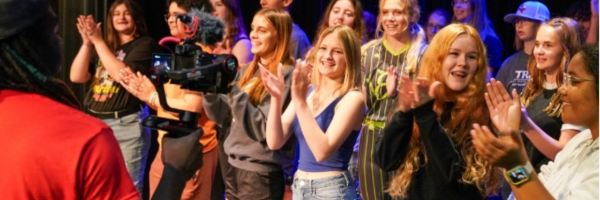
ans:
(305, 13)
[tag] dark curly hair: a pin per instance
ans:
(30, 62)
(590, 59)
(203, 5)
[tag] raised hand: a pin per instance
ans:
(93, 30)
(424, 91)
(506, 153)
(274, 84)
(300, 81)
(505, 111)
(406, 95)
(391, 82)
(137, 84)
(81, 27)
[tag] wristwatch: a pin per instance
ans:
(519, 174)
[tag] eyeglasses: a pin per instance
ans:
(568, 80)
(459, 2)
(169, 15)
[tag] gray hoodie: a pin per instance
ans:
(246, 145)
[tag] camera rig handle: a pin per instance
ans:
(188, 121)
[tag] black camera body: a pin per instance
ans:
(195, 70)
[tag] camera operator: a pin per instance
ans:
(198, 187)
(51, 149)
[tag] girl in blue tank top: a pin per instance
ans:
(326, 116)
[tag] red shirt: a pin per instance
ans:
(51, 151)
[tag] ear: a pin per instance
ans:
(287, 3)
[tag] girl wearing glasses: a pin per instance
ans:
(574, 172)
(127, 45)
(437, 20)
(556, 41)
(474, 13)
(198, 187)
(236, 39)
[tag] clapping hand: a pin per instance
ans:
(301, 81)
(93, 30)
(275, 85)
(81, 27)
(505, 111)
(415, 93)
(391, 82)
(506, 153)
(137, 84)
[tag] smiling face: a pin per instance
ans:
(462, 9)
(331, 57)
(580, 100)
(394, 18)
(460, 64)
(547, 50)
(263, 37)
(342, 13)
(220, 10)
(176, 26)
(122, 20)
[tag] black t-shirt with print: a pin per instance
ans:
(106, 94)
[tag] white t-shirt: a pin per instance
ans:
(574, 172)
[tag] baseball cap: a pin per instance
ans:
(20, 14)
(533, 10)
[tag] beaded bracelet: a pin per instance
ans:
(88, 45)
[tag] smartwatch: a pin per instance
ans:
(519, 174)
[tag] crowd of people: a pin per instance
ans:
(376, 107)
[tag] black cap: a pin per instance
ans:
(20, 14)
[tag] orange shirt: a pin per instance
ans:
(209, 139)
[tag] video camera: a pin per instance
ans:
(192, 69)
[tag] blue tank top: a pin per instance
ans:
(339, 160)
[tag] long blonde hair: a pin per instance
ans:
(570, 36)
(351, 44)
(416, 34)
(468, 110)
(282, 22)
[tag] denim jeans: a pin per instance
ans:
(134, 140)
(335, 187)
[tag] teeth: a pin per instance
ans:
(461, 74)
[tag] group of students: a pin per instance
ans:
(418, 101)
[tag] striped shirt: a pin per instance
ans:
(375, 62)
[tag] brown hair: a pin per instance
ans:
(571, 37)
(358, 26)
(112, 37)
(234, 24)
(282, 22)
